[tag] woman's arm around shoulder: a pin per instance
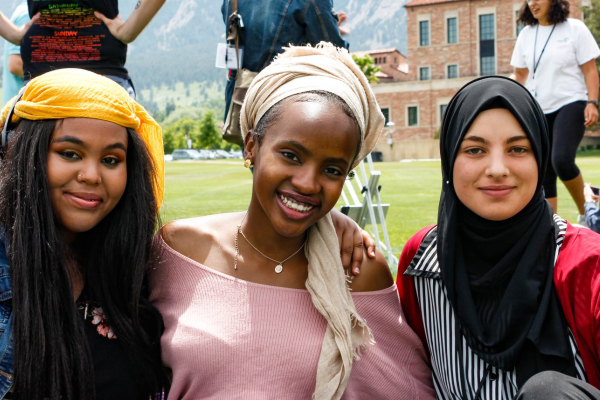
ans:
(375, 275)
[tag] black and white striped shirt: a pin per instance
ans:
(441, 329)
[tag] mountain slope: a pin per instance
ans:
(180, 43)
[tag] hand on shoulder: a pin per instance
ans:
(374, 275)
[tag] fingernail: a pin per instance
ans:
(356, 271)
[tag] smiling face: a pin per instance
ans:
(540, 10)
(495, 171)
(87, 172)
(301, 163)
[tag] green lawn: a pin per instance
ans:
(412, 190)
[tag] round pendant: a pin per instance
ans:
(279, 268)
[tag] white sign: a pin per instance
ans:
(227, 57)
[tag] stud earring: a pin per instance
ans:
(247, 163)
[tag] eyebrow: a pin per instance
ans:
(508, 141)
(79, 142)
(303, 149)
(297, 145)
(516, 139)
(69, 139)
(475, 139)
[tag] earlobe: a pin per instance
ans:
(250, 146)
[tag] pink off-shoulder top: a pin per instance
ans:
(227, 338)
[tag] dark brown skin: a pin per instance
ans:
(205, 241)
(305, 156)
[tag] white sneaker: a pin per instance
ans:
(581, 221)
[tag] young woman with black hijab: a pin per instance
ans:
(502, 290)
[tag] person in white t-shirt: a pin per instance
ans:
(554, 57)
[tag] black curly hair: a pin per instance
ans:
(559, 12)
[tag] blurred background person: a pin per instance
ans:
(555, 58)
(592, 211)
(77, 34)
(9, 31)
(265, 27)
(12, 75)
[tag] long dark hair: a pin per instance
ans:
(559, 12)
(51, 355)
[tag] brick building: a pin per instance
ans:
(450, 42)
(393, 64)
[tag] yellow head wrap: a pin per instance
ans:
(77, 93)
(302, 69)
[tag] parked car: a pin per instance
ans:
(236, 154)
(206, 154)
(187, 154)
(223, 154)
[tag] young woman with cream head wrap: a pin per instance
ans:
(80, 187)
(256, 304)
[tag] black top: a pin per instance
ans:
(113, 374)
(114, 378)
(68, 35)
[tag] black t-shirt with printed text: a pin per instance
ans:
(68, 35)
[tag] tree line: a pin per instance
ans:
(204, 134)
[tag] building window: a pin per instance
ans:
(443, 108)
(519, 24)
(384, 60)
(413, 116)
(452, 27)
(487, 44)
(452, 71)
(424, 33)
(386, 114)
(424, 74)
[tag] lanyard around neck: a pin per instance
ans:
(535, 64)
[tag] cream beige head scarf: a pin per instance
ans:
(324, 68)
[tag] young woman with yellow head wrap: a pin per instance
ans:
(256, 304)
(80, 186)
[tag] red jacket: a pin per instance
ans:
(577, 282)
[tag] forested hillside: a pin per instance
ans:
(172, 62)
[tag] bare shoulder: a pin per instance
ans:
(194, 237)
(374, 275)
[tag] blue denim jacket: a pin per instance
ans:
(6, 343)
(269, 25)
(592, 216)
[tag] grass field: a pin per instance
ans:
(412, 190)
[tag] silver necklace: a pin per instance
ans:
(279, 266)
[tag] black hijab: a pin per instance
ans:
(499, 274)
